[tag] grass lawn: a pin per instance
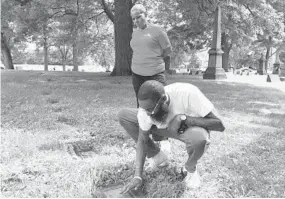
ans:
(60, 137)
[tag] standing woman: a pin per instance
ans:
(151, 50)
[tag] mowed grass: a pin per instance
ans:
(60, 137)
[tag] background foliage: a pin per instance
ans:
(73, 31)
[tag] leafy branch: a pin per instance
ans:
(248, 8)
(107, 10)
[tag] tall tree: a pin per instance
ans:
(80, 25)
(270, 32)
(76, 12)
(14, 27)
(237, 27)
(190, 22)
(29, 20)
(11, 30)
(6, 53)
(123, 32)
(7, 33)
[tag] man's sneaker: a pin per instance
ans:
(159, 160)
(192, 180)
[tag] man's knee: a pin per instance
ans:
(196, 135)
(121, 115)
(127, 115)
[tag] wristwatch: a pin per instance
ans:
(183, 125)
(183, 118)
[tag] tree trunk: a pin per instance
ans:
(267, 55)
(64, 64)
(75, 35)
(75, 47)
(6, 53)
(267, 58)
(123, 35)
(75, 55)
(45, 54)
(63, 60)
(45, 47)
(63, 52)
(226, 47)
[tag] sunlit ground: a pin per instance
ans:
(60, 137)
(257, 80)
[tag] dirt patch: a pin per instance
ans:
(81, 148)
(12, 183)
(115, 192)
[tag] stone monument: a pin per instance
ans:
(215, 70)
(274, 77)
(261, 66)
(276, 65)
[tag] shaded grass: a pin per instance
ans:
(260, 170)
(60, 138)
(46, 92)
(69, 120)
(52, 100)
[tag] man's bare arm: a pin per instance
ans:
(167, 62)
(143, 139)
(209, 122)
(166, 57)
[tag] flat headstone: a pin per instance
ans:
(114, 192)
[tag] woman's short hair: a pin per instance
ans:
(138, 8)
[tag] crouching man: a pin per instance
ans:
(180, 111)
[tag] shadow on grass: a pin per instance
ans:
(46, 92)
(254, 170)
(235, 96)
(164, 183)
(257, 170)
(167, 182)
(53, 100)
(69, 120)
(58, 109)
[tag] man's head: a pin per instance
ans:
(138, 14)
(153, 99)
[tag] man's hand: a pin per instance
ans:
(174, 124)
(135, 184)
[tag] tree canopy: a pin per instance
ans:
(69, 32)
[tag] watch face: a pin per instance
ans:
(183, 117)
